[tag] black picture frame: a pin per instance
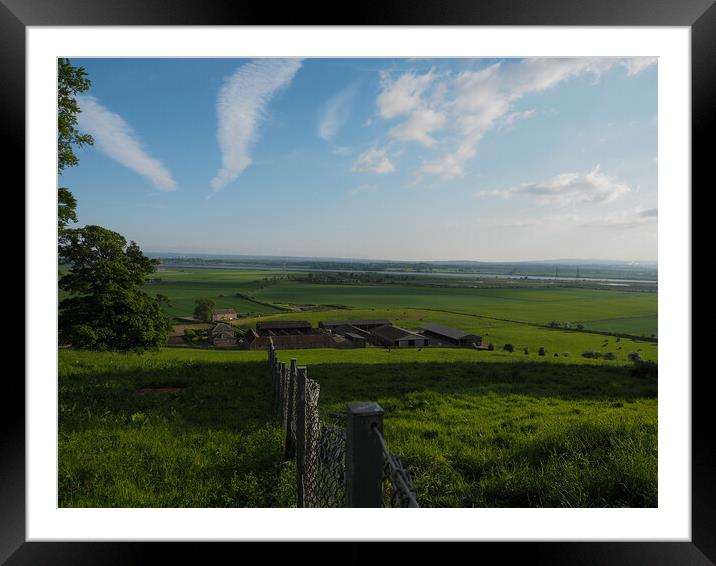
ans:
(17, 15)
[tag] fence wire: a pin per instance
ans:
(324, 478)
(396, 477)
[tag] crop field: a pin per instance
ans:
(475, 431)
(606, 310)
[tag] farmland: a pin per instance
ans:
(194, 427)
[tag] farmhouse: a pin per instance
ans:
(361, 324)
(450, 335)
(284, 327)
(397, 337)
(222, 335)
(223, 314)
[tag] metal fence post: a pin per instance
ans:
(364, 456)
(288, 445)
(300, 433)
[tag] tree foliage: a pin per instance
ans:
(70, 82)
(203, 309)
(107, 309)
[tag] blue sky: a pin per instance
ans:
(416, 159)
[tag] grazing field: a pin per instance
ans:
(192, 427)
(475, 430)
(607, 310)
(212, 442)
(555, 341)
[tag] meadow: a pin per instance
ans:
(475, 431)
(605, 309)
(193, 427)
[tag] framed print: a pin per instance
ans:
(374, 147)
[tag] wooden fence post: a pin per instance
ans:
(300, 433)
(288, 445)
(364, 456)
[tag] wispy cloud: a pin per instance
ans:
(418, 127)
(241, 107)
(470, 104)
(336, 111)
(403, 94)
(373, 160)
(636, 65)
(568, 188)
(116, 138)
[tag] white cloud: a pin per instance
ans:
(241, 107)
(336, 112)
(452, 165)
(513, 117)
(373, 160)
(568, 188)
(418, 127)
(402, 95)
(473, 103)
(116, 138)
(636, 65)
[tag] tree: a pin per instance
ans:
(107, 309)
(71, 81)
(203, 309)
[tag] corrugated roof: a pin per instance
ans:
(283, 324)
(390, 332)
(379, 321)
(453, 333)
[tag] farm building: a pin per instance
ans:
(283, 327)
(292, 341)
(366, 325)
(450, 335)
(223, 314)
(222, 335)
(356, 336)
(397, 337)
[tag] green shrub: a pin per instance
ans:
(634, 357)
(591, 354)
(644, 368)
(509, 348)
(610, 356)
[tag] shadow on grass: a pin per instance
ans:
(578, 382)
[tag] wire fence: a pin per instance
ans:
(319, 446)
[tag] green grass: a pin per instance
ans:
(527, 305)
(475, 430)
(214, 443)
(495, 331)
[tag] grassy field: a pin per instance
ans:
(555, 341)
(212, 443)
(623, 311)
(475, 430)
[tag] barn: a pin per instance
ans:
(450, 335)
(366, 324)
(223, 335)
(283, 328)
(397, 337)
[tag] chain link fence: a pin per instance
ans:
(317, 442)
